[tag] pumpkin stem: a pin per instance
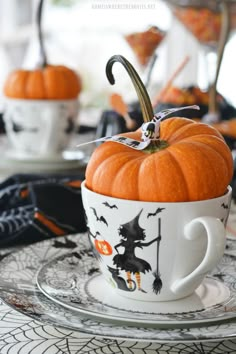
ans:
(42, 52)
(143, 96)
(224, 35)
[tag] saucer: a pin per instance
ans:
(70, 281)
(50, 163)
(18, 289)
(66, 155)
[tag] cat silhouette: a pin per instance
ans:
(121, 282)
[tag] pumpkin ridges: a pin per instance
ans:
(147, 183)
(64, 80)
(175, 180)
(192, 174)
(129, 171)
(217, 145)
(101, 154)
(58, 83)
(200, 165)
(220, 169)
(69, 85)
(54, 83)
(66, 86)
(169, 126)
(194, 129)
(182, 182)
(15, 84)
(101, 173)
(74, 82)
(197, 159)
(34, 87)
(162, 184)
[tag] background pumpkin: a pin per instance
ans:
(49, 82)
(46, 81)
(196, 163)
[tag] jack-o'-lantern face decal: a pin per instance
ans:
(103, 247)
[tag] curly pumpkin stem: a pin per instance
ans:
(143, 96)
(42, 52)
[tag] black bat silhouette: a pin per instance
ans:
(67, 244)
(99, 218)
(159, 210)
(110, 206)
(93, 270)
(225, 206)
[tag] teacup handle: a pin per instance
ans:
(215, 249)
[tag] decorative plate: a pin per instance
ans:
(70, 281)
(18, 289)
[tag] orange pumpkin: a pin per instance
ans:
(49, 82)
(45, 82)
(189, 162)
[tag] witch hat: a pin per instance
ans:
(132, 228)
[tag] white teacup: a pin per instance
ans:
(155, 251)
(40, 127)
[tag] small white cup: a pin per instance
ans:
(40, 127)
(155, 251)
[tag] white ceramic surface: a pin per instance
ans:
(40, 127)
(155, 251)
(76, 286)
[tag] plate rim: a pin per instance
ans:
(164, 323)
(216, 334)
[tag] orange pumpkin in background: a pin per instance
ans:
(190, 161)
(47, 81)
(50, 82)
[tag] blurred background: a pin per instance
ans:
(84, 34)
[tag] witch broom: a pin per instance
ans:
(157, 283)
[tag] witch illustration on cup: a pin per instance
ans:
(132, 237)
